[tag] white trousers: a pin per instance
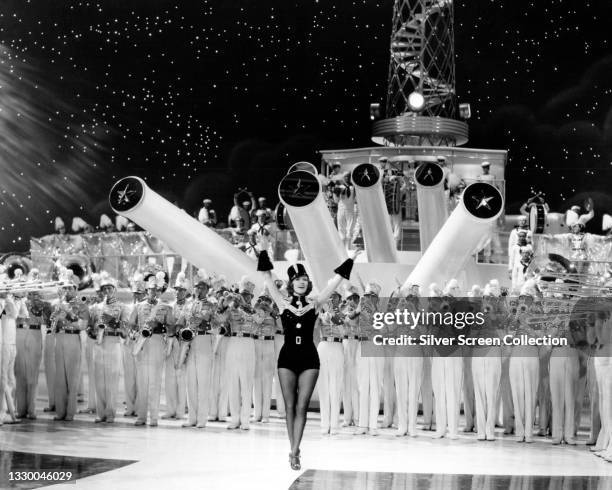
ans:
(603, 372)
(27, 368)
(219, 403)
(408, 375)
(350, 392)
(129, 376)
(49, 362)
(524, 376)
(107, 369)
(564, 367)
(7, 379)
(175, 382)
(240, 366)
(67, 373)
(388, 389)
(486, 375)
(149, 372)
(91, 373)
(370, 372)
(264, 373)
(199, 375)
(279, 340)
(346, 223)
(446, 378)
(331, 356)
(427, 398)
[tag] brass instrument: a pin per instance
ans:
(32, 286)
(145, 333)
(186, 336)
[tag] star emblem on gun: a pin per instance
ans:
(124, 195)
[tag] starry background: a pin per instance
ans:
(202, 97)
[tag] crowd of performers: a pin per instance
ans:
(218, 345)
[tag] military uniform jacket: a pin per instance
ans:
(71, 315)
(39, 312)
(158, 316)
(112, 315)
(198, 315)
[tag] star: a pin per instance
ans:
(300, 189)
(123, 196)
(482, 201)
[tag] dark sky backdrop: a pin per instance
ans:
(204, 96)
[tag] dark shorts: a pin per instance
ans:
(298, 358)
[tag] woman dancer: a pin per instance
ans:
(298, 362)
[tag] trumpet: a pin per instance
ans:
(187, 334)
(32, 286)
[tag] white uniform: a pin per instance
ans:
(176, 376)
(11, 309)
(150, 360)
(71, 319)
(346, 213)
(350, 392)
(370, 371)
(49, 363)
(330, 380)
(29, 357)
(240, 375)
(486, 363)
(219, 403)
(129, 368)
(265, 325)
(107, 359)
(446, 380)
(198, 316)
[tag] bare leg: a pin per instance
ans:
(306, 383)
(288, 383)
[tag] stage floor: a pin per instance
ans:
(125, 456)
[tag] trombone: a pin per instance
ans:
(32, 286)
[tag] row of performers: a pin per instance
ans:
(229, 363)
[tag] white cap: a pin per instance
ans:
(246, 285)
(107, 280)
(59, 223)
(485, 164)
(181, 281)
(105, 221)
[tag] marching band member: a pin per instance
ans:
(564, 369)
(298, 364)
(427, 395)
(544, 402)
(29, 353)
(109, 327)
(49, 359)
(603, 371)
(350, 344)
(10, 309)
(241, 355)
(344, 195)
(486, 371)
(176, 383)
(69, 320)
(127, 347)
(264, 357)
(331, 358)
(219, 402)
(197, 321)
(446, 377)
(90, 342)
(408, 373)
(370, 369)
(152, 319)
(524, 366)
(519, 259)
(522, 224)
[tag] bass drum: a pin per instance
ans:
(12, 262)
(393, 199)
(282, 217)
(537, 219)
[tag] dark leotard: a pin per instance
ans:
(298, 353)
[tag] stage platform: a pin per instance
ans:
(122, 456)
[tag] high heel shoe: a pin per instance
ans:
(294, 461)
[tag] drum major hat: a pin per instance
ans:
(296, 270)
